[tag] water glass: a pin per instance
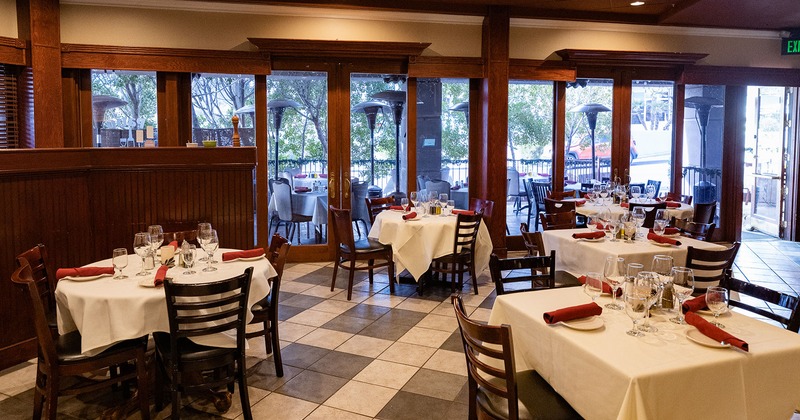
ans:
(632, 271)
(647, 283)
(717, 302)
(638, 214)
(443, 197)
(142, 248)
(593, 285)
(636, 191)
(613, 275)
(613, 229)
(156, 237)
(211, 243)
(636, 309)
(682, 289)
(188, 251)
(119, 258)
(651, 191)
(447, 210)
(414, 198)
(203, 230)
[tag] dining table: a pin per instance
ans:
(579, 256)
(415, 243)
(674, 373)
(107, 310)
(684, 211)
(308, 203)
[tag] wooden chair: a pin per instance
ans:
(462, 259)
(515, 190)
(699, 231)
(553, 221)
(558, 206)
(195, 310)
(560, 195)
(36, 258)
(286, 214)
(705, 213)
(359, 211)
(587, 186)
(377, 205)
(348, 251)
(439, 186)
(61, 357)
(533, 240)
(186, 235)
(484, 207)
(537, 193)
(496, 389)
(656, 185)
(265, 311)
(670, 196)
(710, 266)
(737, 288)
(539, 272)
(649, 212)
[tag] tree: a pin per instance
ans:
(136, 88)
(530, 118)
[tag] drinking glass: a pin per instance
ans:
(613, 228)
(596, 188)
(662, 267)
(661, 222)
(603, 193)
(119, 257)
(651, 192)
(632, 271)
(404, 204)
(636, 191)
(594, 285)
(202, 232)
(211, 245)
(613, 275)
(189, 252)
(591, 222)
(717, 302)
(647, 283)
(638, 215)
(443, 199)
(636, 309)
(414, 198)
(156, 237)
(682, 289)
(142, 247)
(448, 208)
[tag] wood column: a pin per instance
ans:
(559, 134)
(262, 168)
(487, 170)
(38, 23)
(733, 142)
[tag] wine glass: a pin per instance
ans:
(651, 192)
(638, 215)
(603, 193)
(596, 188)
(142, 248)
(647, 283)
(591, 222)
(636, 191)
(202, 232)
(613, 228)
(593, 285)
(636, 309)
(451, 204)
(662, 267)
(414, 198)
(717, 302)
(629, 224)
(682, 289)
(156, 237)
(632, 271)
(211, 243)
(119, 257)
(188, 251)
(613, 276)
(404, 204)
(661, 221)
(443, 197)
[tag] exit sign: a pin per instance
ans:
(790, 46)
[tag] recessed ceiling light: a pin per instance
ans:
(637, 3)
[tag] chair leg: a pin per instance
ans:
(370, 271)
(350, 277)
(243, 394)
(391, 276)
(143, 383)
(176, 403)
(38, 394)
(51, 399)
(335, 268)
(474, 277)
(159, 386)
(276, 348)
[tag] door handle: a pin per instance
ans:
(332, 186)
(346, 192)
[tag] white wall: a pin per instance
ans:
(8, 18)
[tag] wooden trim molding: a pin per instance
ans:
(740, 76)
(163, 59)
(307, 47)
(13, 51)
(456, 67)
(629, 58)
(520, 69)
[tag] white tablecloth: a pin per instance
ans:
(579, 256)
(606, 374)
(106, 311)
(416, 243)
(685, 211)
(312, 203)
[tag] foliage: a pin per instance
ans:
(216, 97)
(455, 127)
(576, 128)
(138, 89)
(304, 130)
(530, 119)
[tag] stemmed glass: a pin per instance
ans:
(596, 188)
(629, 224)
(141, 246)
(210, 244)
(156, 237)
(621, 192)
(636, 308)
(717, 302)
(682, 289)
(188, 251)
(593, 286)
(603, 193)
(404, 204)
(414, 199)
(638, 215)
(591, 222)
(636, 191)
(651, 192)
(613, 228)
(119, 257)
(662, 267)
(451, 204)
(647, 283)
(613, 276)
(203, 230)
(632, 271)
(661, 220)
(443, 199)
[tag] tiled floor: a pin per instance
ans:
(376, 356)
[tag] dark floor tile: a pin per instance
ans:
(301, 355)
(312, 386)
(406, 405)
(453, 343)
(403, 317)
(365, 311)
(343, 365)
(286, 312)
(285, 295)
(263, 376)
(488, 303)
(463, 396)
(404, 290)
(314, 279)
(302, 301)
(387, 329)
(17, 407)
(348, 324)
(431, 383)
(457, 411)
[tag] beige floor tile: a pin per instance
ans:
(329, 413)
(425, 337)
(303, 268)
(312, 318)
(439, 322)
(388, 374)
(356, 297)
(446, 309)
(19, 380)
(472, 299)
(321, 291)
(480, 314)
(447, 361)
(295, 286)
(361, 398)
(3, 396)
(282, 407)
(418, 305)
(365, 346)
(333, 306)
(325, 338)
(257, 347)
(389, 301)
(255, 395)
(409, 354)
(290, 331)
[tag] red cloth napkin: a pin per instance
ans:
(411, 215)
(250, 253)
(673, 204)
(669, 231)
(301, 176)
(396, 208)
(580, 202)
(161, 274)
(713, 332)
(83, 272)
(662, 240)
(464, 212)
(174, 245)
(586, 196)
(323, 175)
(599, 226)
(695, 304)
(624, 205)
(456, 187)
(589, 235)
(572, 312)
(302, 189)
(606, 288)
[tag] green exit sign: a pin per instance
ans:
(790, 46)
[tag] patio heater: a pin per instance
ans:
(101, 104)
(591, 110)
(462, 107)
(278, 106)
(704, 191)
(371, 109)
(395, 99)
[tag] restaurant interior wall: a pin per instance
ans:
(8, 18)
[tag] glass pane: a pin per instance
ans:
(530, 145)
(298, 152)
(216, 98)
(702, 142)
(588, 124)
(651, 134)
(124, 108)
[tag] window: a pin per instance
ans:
(588, 123)
(9, 117)
(124, 108)
(216, 98)
(651, 133)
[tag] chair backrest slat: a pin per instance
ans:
(377, 205)
(342, 227)
(558, 206)
(649, 212)
(466, 233)
(705, 212)
(554, 221)
(539, 272)
(792, 322)
(710, 266)
(23, 279)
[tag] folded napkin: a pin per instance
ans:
(673, 204)
(83, 272)
(174, 245)
(580, 202)
(161, 274)
(572, 312)
(396, 208)
(250, 253)
(715, 333)
(662, 240)
(624, 205)
(301, 176)
(606, 288)
(464, 212)
(669, 231)
(302, 189)
(455, 187)
(695, 304)
(411, 215)
(586, 196)
(323, 175)
(600, 226)
(589, 235)
(523, 173)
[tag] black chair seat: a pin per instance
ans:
(537, 399)
(565, 279)
(463, 257)
(364, 246)
(190, 351)
(69, 347)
